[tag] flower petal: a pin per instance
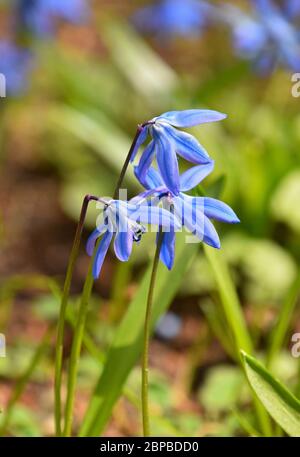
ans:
(123, 245)
(141, 139)
(90, 245)
(192, 177)
(101, 253)
(166, 160)
(145, 162)
(153, 215)
(167, 252)
(219, 211)
(190, 117)
(187, 146)
(196, 221)
(152, 179)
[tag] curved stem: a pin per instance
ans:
(81, 319)
(63, 309)
(127, 161)
(76, 349)
(147, 332)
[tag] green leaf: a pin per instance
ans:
(229, 298)
(127, 344)
(280, 330)
(282, 405)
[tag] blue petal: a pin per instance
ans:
(166, 160)
(187, 146)
(190, 117)
(211, 236)
(152, 180)
(141, 139)
(167, 252)
(145, 162)
(153, 215)
(219, 211)
(101, 253)
(192, 177)
(90, 245)
(123, 245)
(198, 223)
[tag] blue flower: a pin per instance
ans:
(192, 212)
(123, 220)
(167, 142)
(292, 8)
(268, 37)
(38, 16)
(174, 17)
(15, 65)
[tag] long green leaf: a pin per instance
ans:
(235, 318)
(282, 405)
(279, 333)
(229, 298)
(127, 344)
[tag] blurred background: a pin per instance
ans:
(78, 83)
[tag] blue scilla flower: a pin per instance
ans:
(15, 65)
(38, 16)
(292, 8)
(123, 221)
(192, 212)
(268, 37)
(167, 142)
(167, 18)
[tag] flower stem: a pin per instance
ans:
(76, 349)
(63, 309)
(147, 331)
(127, 161)
(81, 318)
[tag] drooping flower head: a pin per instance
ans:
(192, 212)
(166, 142)
(268, 36)
(169, 18)
(123, 221)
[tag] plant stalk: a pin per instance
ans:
(147, 333)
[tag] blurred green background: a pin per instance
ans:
(68, 136)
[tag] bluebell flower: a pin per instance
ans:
(268, 37)
(167, 142)
(123, 221)
(194, 213)
(168, 18)
(15, 65)
(38, 16)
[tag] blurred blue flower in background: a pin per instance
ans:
(35, 18)
(168, 18)
(15, 65)
(268, 37)
(192, 212)
(292, 8)
(167, 142)
(38, 16)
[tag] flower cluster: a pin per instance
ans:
(268, 34)
(31, 19)
(164, 202)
